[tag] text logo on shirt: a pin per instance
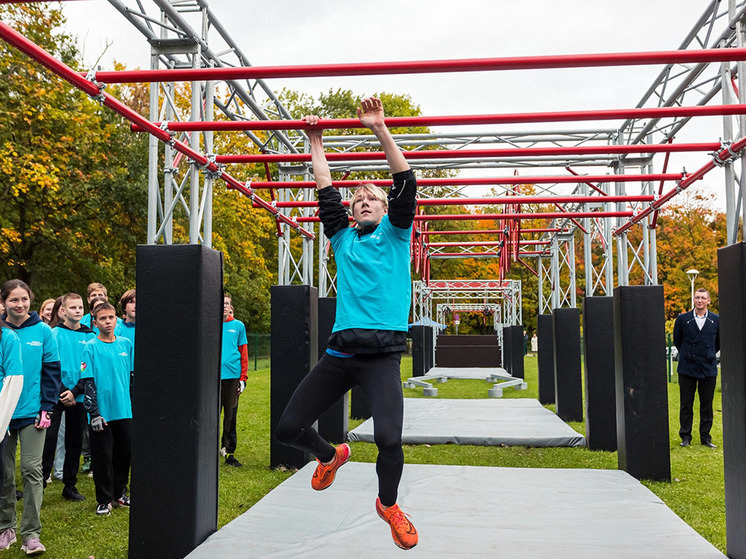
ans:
(34, 343)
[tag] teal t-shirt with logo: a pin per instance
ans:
(71, 344)
(234, 336)
(109, 364)
(374, 286)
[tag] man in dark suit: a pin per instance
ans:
(696, 334)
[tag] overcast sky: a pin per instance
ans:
(285, 32)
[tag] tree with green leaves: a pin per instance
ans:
(73, 201)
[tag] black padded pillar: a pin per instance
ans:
(507, 357)
(600, 398)
(568, 376)
(294, 329)
(333, 425)
(419, 351)
(429, 353)
(516, 351)
(176, 400)
(545, 358)
(732, 287)
(643, 448)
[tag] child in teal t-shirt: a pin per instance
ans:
(107, 367)
(71, 337)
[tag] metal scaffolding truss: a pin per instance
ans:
(444, 310)
(622, 182)
(500, 297)
(506, 293)
(188, 34)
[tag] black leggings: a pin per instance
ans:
(380, 378)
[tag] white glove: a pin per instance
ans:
(98, 423)
(241, 386)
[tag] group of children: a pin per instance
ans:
(61, 363)
(61, 367)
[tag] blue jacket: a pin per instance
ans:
(697, 348)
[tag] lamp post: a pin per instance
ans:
(692, 276)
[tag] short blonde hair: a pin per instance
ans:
(372, 189)
(95, 286)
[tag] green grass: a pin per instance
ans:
(696, 493)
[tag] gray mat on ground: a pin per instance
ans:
(463, 511)
(514, 422)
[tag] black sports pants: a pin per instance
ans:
(229, 403)
(379, 377)
(110, 459)
(75, 421)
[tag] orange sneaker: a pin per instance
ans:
(323, 477)
(402, 530)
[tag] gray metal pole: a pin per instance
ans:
(153, 186)
(194, 189)
(731, 218)
(741, 40)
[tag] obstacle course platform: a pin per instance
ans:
(514, 422)
(498, 375)
(463, 511)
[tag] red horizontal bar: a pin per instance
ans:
(497, 201)
(428, 66)
(466, 244)
(467, 284)
(479, 181)
(494, 217)
(467, 232)
(457, 120)
(473, 153)
(482, 244)
(464, 254)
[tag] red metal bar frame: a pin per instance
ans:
(484, 243)
(457, 120)
(719, 158)
(475, 153)
(467, 284)
(12, 37)
(494, 217)
(467, 244)
(491, 231)
(479, 181)
(490, 201)
(465, 254)
(594, 60)
(482, 254)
